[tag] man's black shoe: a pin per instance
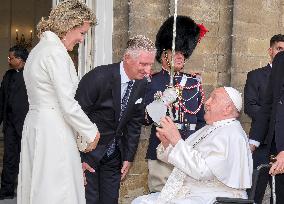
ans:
(6, 195)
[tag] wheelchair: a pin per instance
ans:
(251, 194)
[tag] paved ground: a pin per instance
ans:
(14, 201)
(265, 200)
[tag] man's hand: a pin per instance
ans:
(252, 147)
(125, 168)
(278, 166)
(169, 130)
(91, 146)
(85, 167)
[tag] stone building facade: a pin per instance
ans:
(237, 42)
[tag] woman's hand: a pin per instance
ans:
(91, 146)
(87, 167)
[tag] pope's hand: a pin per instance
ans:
(169, 130)
(278, 166)
(91, 146)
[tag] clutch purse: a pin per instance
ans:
(81, 143)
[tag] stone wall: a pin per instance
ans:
(237, 42)
(212, 57)
(254, 23)
(120, 28)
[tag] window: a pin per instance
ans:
(95, 51)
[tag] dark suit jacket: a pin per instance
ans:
(99, 94)
(254, 91)
(19, 105)
(269, 122)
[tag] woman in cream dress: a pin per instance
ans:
(50, 166)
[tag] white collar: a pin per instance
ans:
(222, 122)
(123, 75)
(51, 36)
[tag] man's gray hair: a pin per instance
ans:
(139, 43)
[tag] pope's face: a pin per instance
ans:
(214, 106)
(75, 36)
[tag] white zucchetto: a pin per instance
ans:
(235, 96)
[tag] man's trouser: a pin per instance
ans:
(158, 174)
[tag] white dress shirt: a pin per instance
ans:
(124, 80)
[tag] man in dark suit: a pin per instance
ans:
(189, 117)
(13, 109)
(254, 96)
(268, 128)
(113, 98)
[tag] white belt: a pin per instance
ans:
(40, 107)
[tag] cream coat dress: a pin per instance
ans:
(50, 166)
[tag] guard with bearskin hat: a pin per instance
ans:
(187, 110)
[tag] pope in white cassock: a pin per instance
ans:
(213, 162)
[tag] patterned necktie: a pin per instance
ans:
(125, 98)
(124, 101)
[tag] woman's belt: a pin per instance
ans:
(44, 106)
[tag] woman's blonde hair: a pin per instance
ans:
(66, 16)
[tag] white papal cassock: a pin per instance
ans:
(213, 162)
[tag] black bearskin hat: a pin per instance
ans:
(187, 35)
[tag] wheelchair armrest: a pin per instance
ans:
(224, 200)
